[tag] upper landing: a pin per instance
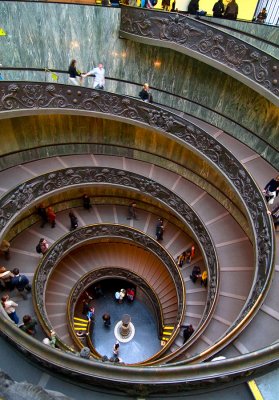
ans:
(211, 45)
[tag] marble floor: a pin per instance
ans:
(145, 342)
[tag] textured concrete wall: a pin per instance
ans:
(49, 35)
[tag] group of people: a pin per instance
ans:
(197, 274)
(76, 77)
(129, 294)
(186, 256)
(10, 280)
(98, 73)
(230, 12)
(28, 324)
(48, 215)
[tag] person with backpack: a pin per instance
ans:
(21, 283)
(218, 9)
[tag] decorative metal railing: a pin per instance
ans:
(27, 193)
(93, 233)
(208, 44)
(33, 98)
(101, 274)
(23, 99)
(175, 103)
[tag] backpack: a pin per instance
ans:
(38, 248)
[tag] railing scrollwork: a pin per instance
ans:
(206, 43)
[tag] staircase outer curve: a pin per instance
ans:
(208, 44)
(257, 222)
(228, 238)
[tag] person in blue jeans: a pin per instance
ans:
(9, 307)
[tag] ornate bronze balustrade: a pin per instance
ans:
(95, 233)
(22, 99)
(116, 272)
(27, 193)
(248, 64)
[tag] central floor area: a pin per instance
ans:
(145, 342)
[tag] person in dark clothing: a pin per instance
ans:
(173, 6)
(231, 10)
(29, 325)
(74, 221)
(132, 210)
(275, 216)
(145, 94)
(106, 319)
(98, 291)
(160, 229)
(181, 259)
(75, 77)
(86, 202)
(196, 274)
(43, 214)
(261, 17)
(271, 190)
(193, 7)
(218, 9)
(188, 331)
(21, 283)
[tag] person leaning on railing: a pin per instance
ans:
(145, 94)
(231, 10)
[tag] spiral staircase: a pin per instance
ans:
(203, 182)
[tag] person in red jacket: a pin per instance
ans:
(51, 216)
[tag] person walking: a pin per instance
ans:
(106, 319)
(42, 214)
(187, 332)
(21, 283)
(271, 190)
(74, 220)
(9, 306)
(51, 216)
(99, 76)
(86, 202)
(160, 229)
(116, 349)
(132, 210)
(75, 76)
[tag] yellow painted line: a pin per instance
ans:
(80, 329)
(167, 333)
(80, 319)
(165, 339)
(169, 327)
(255, 390)
(80, 324)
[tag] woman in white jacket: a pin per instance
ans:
(9, 307)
